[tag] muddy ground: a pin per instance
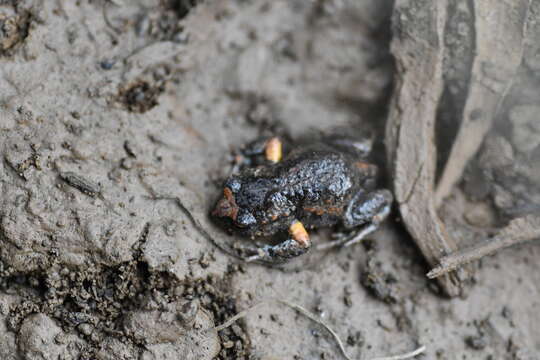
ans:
(118, 122)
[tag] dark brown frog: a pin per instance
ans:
(320, 184)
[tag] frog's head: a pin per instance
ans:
(242, 202)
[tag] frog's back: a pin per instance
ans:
(317, 173)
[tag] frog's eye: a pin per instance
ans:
(233, 184)
(245, 218)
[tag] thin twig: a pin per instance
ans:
(315, 319)
(346, 242)
(470, 254)
(296, 307)
(194, 221)
(518, 231)
(198, 226)
(237, 317)
(409, 355)
(106, 18)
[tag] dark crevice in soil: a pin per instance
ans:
(183, 7)
(164, 23)
(460, 43)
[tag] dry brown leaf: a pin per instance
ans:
(500, 31)
(418, 30)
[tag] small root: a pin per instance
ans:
(409, 355)
(316, 320)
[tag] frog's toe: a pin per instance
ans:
(261, 255)
(279, 253)
(298, 244)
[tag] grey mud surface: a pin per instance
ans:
(116, 115)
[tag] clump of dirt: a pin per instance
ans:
(163, 23)
(166, 24)
(14, 27)
(380, 284)
(140, 96)
(99, 303)
(214, 295)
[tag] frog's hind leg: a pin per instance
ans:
(279, 253)
(298, 244)
(266, 150)
(367, 209)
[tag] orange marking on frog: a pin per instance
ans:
(273, 150)
(226, 207)
(299, 234)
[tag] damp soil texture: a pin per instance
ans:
(119, 120)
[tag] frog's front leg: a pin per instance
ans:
(262, 151)
(367, 209)
(371, 207)
(297, 244)
(270, 147)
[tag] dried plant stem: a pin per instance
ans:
(238, 316)
(296, 307)
(518, 231)
(409, 355)
(410, 129)
(315, 319)
(475, 252)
